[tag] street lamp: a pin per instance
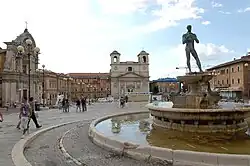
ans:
(247, 84)
(43, 86)
(29, 51)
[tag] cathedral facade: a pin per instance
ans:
(14, 70)
(130, 78)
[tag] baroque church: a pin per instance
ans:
(130, 78)
(14, 70)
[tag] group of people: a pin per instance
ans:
(123, 101)
(65, 105)
(81, 104)
(27, 112)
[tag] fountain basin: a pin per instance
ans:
(145, 146)
(224, 120)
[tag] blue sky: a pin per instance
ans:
(78, 36)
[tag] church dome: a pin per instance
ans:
(23, 37)
(143, 53)
(115, 53)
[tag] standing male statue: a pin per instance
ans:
(188, 39)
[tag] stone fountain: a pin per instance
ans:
(197, 110)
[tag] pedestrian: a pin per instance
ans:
(78, 105)
(25, 113)
(7, 106)
(126, 98)
(67, 105)
(1, 117)
(63, 105)
(19, 117)
(32, 114)
(122, 102)
(83, 101)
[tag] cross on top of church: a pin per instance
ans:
(26, 25)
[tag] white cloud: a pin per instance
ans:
(224, 12)
(75, 37)
(209, 54)
(170, 12)
(122, 7)
(216, 4)
(206, 22)
(244, 10)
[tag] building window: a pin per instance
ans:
(232, 81)
(130, 69)
(227, 81)
(115, 59)
(232, 69)
(227, 71)
(24, 69)
(222, 71)
(238, 68)
(238, 81)
(144, 59)
(222, 81)
(218, 81)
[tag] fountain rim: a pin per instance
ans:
(153, 107)
(137, 151)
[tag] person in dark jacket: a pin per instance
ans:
(78, 105)
(83, 101)
(32, 114)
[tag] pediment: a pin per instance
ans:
(130, 75)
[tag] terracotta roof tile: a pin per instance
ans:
(242, 59)
(88, 75)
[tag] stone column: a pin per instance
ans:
(4, 93)
(13, 92)
(119, 88)
(125, 87)
(9, 92)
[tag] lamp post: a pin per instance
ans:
(20, 51)
(43, 85)
(30, 51)
(247, 84)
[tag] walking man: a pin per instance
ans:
(83, 101)
(63, 105)
(67, 105)
(78, 105)
(32, 114)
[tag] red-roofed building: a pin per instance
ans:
(92, 85)
(232, 78)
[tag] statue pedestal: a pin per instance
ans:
(199, 94)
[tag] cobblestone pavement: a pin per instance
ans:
(9, 135)
(44, 150)
(78, 145)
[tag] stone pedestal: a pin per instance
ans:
(199, 94)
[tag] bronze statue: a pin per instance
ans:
(188, 39)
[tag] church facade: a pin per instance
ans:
(130, 78)
(14, 70)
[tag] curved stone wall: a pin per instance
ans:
(175, 157)
(200, 120)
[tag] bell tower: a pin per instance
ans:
(143, 57)
(115, 57)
